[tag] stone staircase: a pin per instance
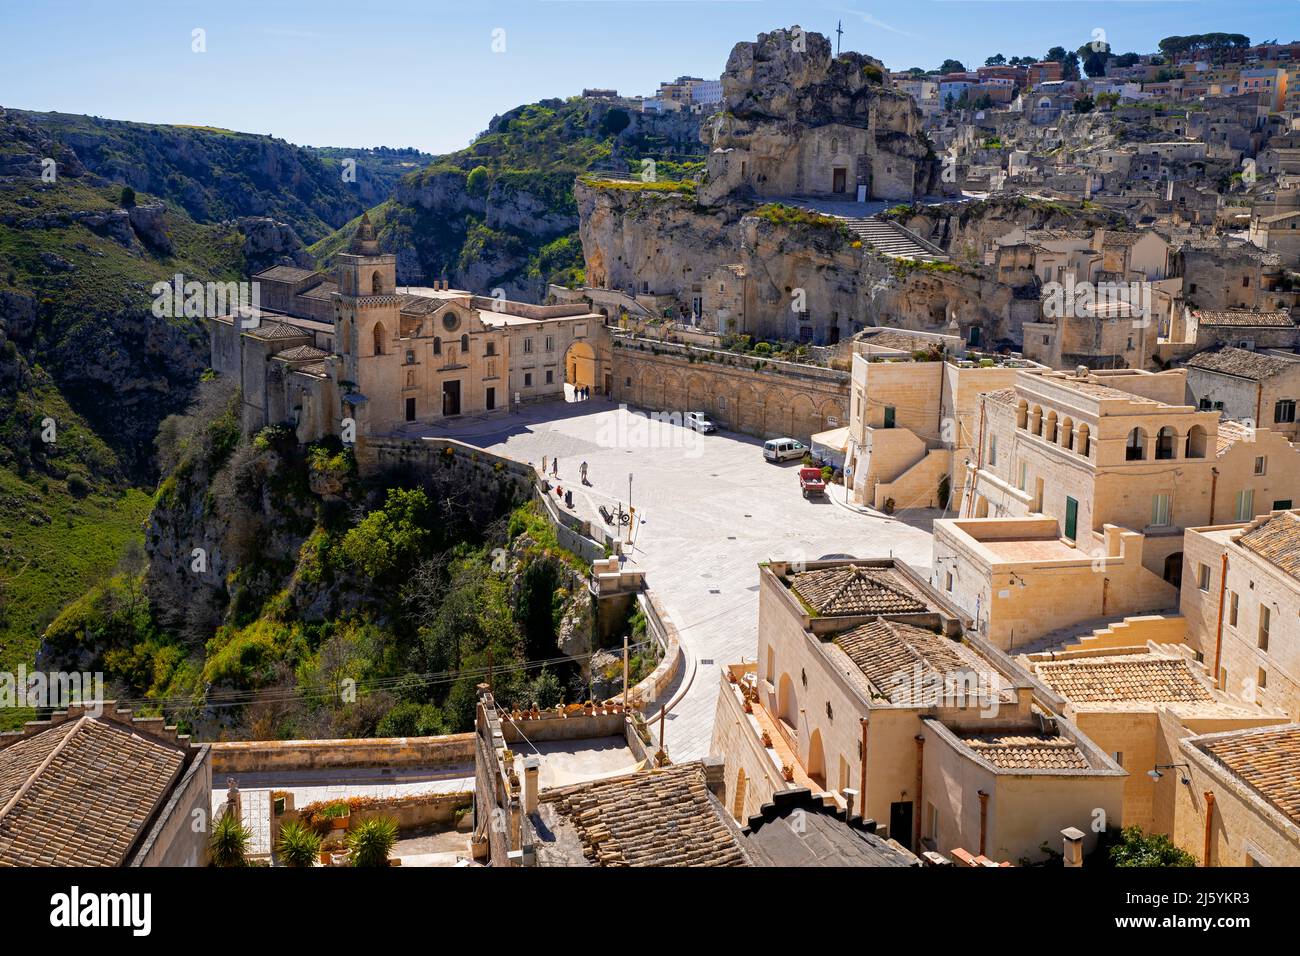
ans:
(1168, 628)
(890, 239)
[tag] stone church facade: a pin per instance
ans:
(325, 350)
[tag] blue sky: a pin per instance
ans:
(423, 72)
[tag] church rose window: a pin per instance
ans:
(450, 320)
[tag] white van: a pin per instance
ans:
(783, 449)
(700, 422)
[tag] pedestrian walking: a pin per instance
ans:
(582, 470)
(555, 467)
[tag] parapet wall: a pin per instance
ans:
(259, 756)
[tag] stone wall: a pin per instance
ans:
(262, 756)
(777, 399)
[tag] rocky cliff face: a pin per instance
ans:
(660, 238)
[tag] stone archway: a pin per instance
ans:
(580, 367)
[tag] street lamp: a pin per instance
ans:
(1155, 774)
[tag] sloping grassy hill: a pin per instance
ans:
(501, 212)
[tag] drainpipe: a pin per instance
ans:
(920, 765)
(1209, 826)
(969, 503)
(984, 817)
(1218, 635)
(1259, 402)
(1214, 485)
(862, 787)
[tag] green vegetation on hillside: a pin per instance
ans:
(501, 213)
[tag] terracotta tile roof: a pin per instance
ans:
(317, 369)
(302, 353)
(1276, 539)
(1124, 677)
(893, 339)
(322, 290)
(285, 274)
(1242, 363)
(1027, 751)
(889, 652)
(1265, 760)
(1245, 318)
(271, 331)
(81, 793)
(1231, 431)
(651, 818)
(850, 589)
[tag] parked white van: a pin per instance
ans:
(783, 449)
(700, 422)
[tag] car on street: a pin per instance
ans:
(783, 449)
(811, 482)
(700, 422)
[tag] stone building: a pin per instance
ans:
(1093, 479)
(866, 687)
(1241, 599)
(913, 420)
(1261, 387)
(94, 786)
(1239, 804)
(356, 347)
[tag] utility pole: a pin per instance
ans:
(624, 670)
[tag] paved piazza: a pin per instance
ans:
(709, 509)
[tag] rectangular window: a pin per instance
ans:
(889, 416)
(1159, 511)
(1282, 504)
(948, 582)
(1245, 504)
(528, 379)
(550, 377)
(993, 450)
(550, 343)
(1232, 609)
(1261, 463)
(1071, 518)
(1265, 619)
(1023, 479)
(528, 346)
(1284, 411)
(1203, 577)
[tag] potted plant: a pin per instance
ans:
(229, 843)
(337, 814)
(371, 842)
(787, 771)
(587, 708)
(767, 739)
(299, 845)
(508, 760)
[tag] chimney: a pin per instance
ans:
(532, 768)
(1073, 846)
(850, 800)
(715, 769)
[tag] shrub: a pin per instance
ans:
(1136, 848)
(299, 845)
(127, 198)
(477, 181)
(370, 842)
(229, 843)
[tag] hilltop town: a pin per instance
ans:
(834, 465)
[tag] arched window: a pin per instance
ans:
(437, 345)
(1022, 414)
(379, 338)
(464, 344)
(1085, 441)
(1067, 434)
(1050, 431)
(1036, 420)
(376, 283)
(787, 705)
(1197, 442)
(1165, 443)
(1136, 448)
